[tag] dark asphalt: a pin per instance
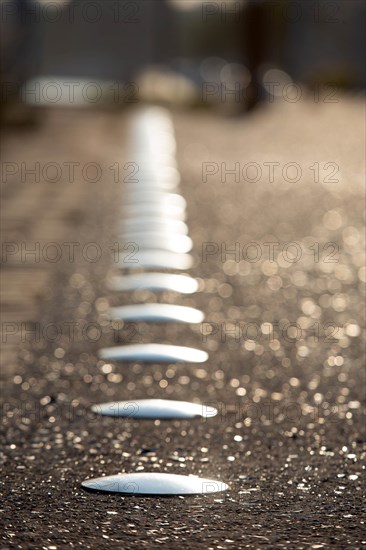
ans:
(289, 437)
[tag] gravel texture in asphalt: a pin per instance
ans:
(283, 330)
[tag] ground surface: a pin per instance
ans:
(289, 436)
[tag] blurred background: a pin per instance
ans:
(187, 52)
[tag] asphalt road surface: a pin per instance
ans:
(281, 284)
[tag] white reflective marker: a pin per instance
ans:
(159, 241)
(155, 210)
(156, 141)
(156, 259)
(144, 123)
(166, 178)
(141, 197)
(154, 224)
(154, 281)
(155, 183)
(163, 169)
(155, 484)
(156, 160)
(153, 353)
(160, 313)
(153, 117)
(158, 409)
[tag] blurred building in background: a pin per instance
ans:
(191, 52)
